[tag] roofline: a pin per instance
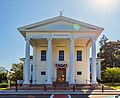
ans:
(22, 29)
(57, 17)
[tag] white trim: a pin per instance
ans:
(74, 36)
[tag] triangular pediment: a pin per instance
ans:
(60, 23)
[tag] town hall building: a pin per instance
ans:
(61, 51)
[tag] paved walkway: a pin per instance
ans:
(60, 96)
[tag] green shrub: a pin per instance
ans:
(111, 75)
(3, 85)
(12, 83)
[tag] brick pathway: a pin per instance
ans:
(60, 96)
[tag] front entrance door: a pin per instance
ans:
(61, 74)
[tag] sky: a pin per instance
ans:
(17, 13)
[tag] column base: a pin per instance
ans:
(48, 82)
(94, 82)
(34, 82)
(26, 82)
(72, 82)
(88, 83)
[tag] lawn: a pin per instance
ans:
(113, 85)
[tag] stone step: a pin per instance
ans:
(59, 87)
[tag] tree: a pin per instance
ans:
(111, 75)
(17, 73)
(2, 69)
(3, 74)
(110, 52)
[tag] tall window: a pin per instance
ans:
(31, 68)
(43, 55)
(79, 55)
(61, 55)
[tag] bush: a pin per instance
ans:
(3, 85)
(12, 83)
(111, 75)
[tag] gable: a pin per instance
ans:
(60, 23)
(60, 26)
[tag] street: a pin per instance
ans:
(39, 96)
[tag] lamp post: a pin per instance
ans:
(16, 76)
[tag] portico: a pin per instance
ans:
(60, 51)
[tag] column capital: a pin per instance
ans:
(94, 39)
(72, 39)
(27, 39)
(49, 39)
(34, 47)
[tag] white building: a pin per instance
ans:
(98, 67)
(61, 48)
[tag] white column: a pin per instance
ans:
(34, 65)
(27, 63)
(49, 58)
(93, 66)
(88, 66)
(72, 68)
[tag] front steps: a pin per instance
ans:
(56, 86)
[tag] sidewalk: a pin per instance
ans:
(82, 92)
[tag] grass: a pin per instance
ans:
(113, 85)
(3, 88)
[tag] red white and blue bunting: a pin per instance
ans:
(61, 65)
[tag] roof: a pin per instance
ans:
(59, 23)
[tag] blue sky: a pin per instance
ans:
(16, 13)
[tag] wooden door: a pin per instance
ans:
(61, 75)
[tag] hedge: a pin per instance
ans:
(111, 75)
(3, 85)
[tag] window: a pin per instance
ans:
(79, 73)
(79, 55)
(31, 80)
(43, 55)
(61, 55)
(31, 68)
(43, 73)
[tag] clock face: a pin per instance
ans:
(76, 26)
